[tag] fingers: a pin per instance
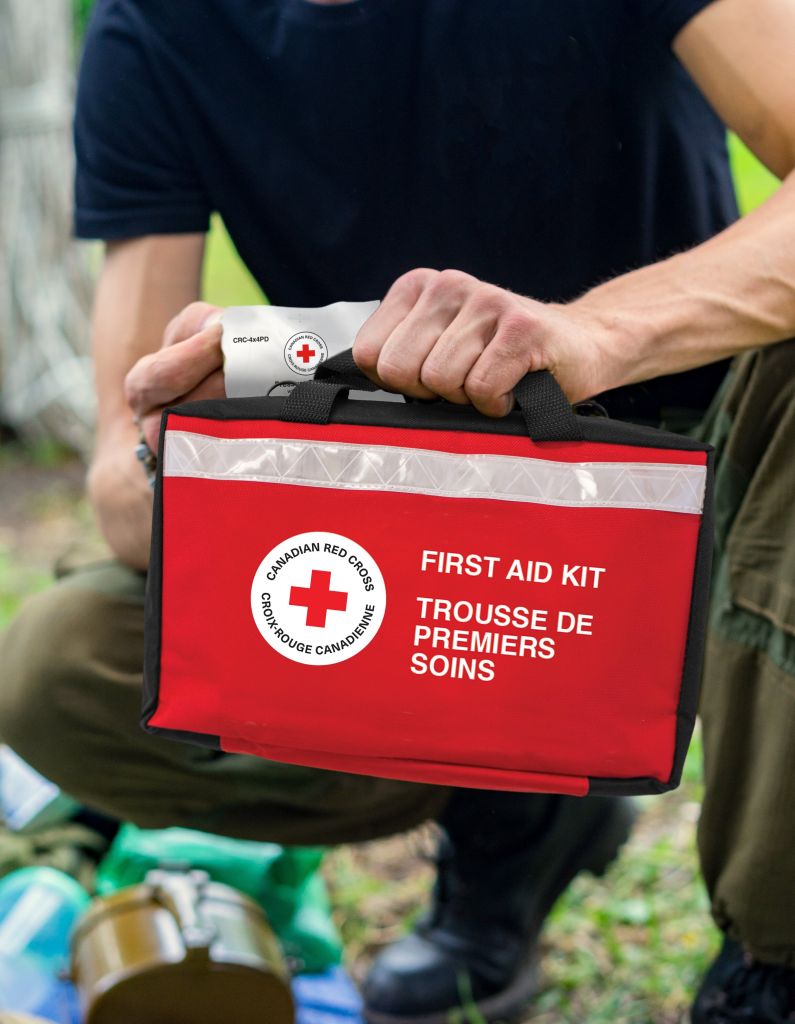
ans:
(402, 344)
(415, 360)
(511, 353)
(458, 349)
(448, 334)
(211, 387)
(173, 371)
(190, 321)
(398, 303)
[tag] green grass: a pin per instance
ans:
(18, 580)
(43, 512)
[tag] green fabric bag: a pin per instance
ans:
(284, 881)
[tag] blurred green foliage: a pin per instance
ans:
(227, 281)
(82, 10)
(752, 181)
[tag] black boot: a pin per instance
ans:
(740, 990)
(504, 860)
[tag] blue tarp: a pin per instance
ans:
(328, 998)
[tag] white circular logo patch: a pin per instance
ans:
(304, 352)
(318, 598)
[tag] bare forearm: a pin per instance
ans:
(144, 283)
(734, 292)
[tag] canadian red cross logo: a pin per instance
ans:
(305, 353)
(318, 598)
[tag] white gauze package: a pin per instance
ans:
(266, 345)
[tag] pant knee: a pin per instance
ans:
(48, 654)
(32, 654)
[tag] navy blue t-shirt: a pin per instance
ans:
(541, 146)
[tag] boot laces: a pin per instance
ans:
(755, 993)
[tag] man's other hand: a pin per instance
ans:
(445, 333)
(187, 366)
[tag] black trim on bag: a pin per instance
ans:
(696, 627)
(153, 603)
(687, 708)
(154, 596)
(426, 416)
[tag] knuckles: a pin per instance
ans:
(412, 283)
(515, 331)
(518, 323)
(489, 300)
(450, 285)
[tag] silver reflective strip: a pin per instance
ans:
(662, 486)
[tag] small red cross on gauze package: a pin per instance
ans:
(415, 591)
(307, 354)
(266, 345)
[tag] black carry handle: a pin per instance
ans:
(546, 411)
(312, 401)
(342, 369)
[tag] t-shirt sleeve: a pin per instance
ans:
(134, 173)
(665, 18)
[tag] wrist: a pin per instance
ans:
(597, 350)
(121, 501)
(147, 459)
(641, 325)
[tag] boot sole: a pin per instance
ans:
(598, 850)
(503, 1006)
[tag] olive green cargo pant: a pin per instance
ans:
(70, 704)
(747, 829)
(70, 675)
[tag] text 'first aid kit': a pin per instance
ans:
(416, 591)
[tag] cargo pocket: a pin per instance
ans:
(760, 552)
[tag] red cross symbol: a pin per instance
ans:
(305, 353)
(318, 598)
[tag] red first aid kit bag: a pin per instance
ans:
(417, 591)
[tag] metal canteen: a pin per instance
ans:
(179, 949)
